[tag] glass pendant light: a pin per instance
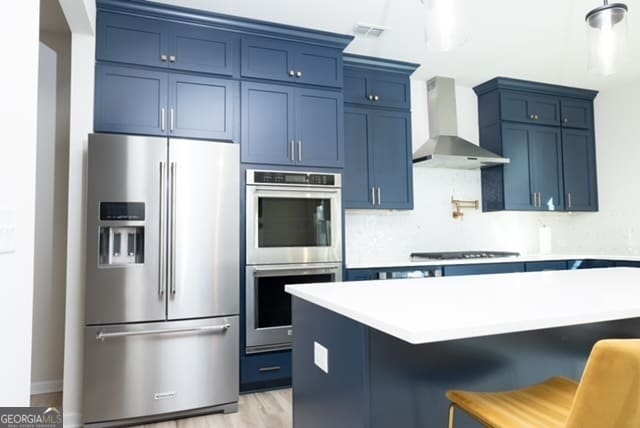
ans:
(443, 29)
(607, 32)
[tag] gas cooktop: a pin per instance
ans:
(453, 255)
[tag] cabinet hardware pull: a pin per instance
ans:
(539, 200)
(163, 237)
(172, 58)
(370, 97)
(171, 122)
(299, 150)
(163, 119)
(535, 199)
(269, 369)
(531, 116)
(537, 117)
(298, 73)
(379, 196)
(293, 150)
(373, 195)
(292, 73)
(172, 254)
(569, 204)
(566, 120)
(376, 98)
(163, 57)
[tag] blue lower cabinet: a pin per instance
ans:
(482, 269)
(625, 263)
(361, 274)
(546, 265)
(266, 370)
(130, 100)
(590, 264)
(202, 107)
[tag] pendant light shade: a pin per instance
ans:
(607, 32)
(443, 28)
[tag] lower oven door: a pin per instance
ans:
(268, 306)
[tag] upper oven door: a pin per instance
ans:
(293, 225)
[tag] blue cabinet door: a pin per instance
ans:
(319, 128)
(482, 269)
(202, 49)
(357, 186)
(131, 101)
(546, 265)
(267, 59)
(267, 118)
(577, 113)
(130, 39)
(391, 90)
(202, 107)
(579, 166)
(529, 108)
(390, 159)
(362, 274)
(518, 194)
(545, 164)
(260, 370)
(356, 86)
(316, 65)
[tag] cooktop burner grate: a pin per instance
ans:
(453, 255)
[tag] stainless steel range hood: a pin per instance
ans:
(445, 149)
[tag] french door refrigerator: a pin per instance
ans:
(162, 278)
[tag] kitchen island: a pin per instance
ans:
(383, 353)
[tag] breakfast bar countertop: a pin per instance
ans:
(425, 310)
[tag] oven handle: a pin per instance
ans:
(295, 268)
(297, 190)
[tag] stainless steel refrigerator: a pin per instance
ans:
(162, 292)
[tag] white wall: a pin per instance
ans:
(430, 226)
(18, 121)
(51, 214)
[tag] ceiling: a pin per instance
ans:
(543, 40)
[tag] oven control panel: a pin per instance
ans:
(293, 178)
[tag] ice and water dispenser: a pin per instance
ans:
(121, 240)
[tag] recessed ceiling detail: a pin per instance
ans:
(369, 30)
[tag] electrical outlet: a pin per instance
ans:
(7, 232)
(321, 357)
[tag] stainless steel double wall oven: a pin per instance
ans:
(294, 236)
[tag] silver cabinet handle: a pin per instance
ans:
(373, 195)
(171, 121)
(172, 58)
(376, 98)
(163, 57)
(292, 73)
(379, 196)
(370, 97)
(163, 230)
(299, 150)
(298, 74)
(569, 204)
(163, 119)
(207, 329)
(535, 199)
(269, 369)
(293, 150)
(539, 200)
(172, 254)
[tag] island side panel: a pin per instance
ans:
(408, 382)
(339, 398)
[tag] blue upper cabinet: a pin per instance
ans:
(377, 88)
(357, 186)
(283, 125)
(578, 150)
(202, 107)
(149, 102)
(131, 101)
(153, 42)
(577, 113)
(273, 59)
(201, 49)
(547, 133)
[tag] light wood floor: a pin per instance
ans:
(271, 409)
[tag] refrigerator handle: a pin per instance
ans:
(172, 254)
(163, 229)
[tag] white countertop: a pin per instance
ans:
(427, 310)
(519, 259)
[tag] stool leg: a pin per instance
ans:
(451, 415)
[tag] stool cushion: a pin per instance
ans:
(546, 404)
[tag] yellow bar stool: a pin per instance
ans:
(608, 396)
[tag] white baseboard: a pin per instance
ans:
(46, 387)
(71, 420)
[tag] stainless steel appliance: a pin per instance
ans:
(162, 279)
(268, 306)
(455, 255)
(293, 217)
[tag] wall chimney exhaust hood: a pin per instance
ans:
(445, 149)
